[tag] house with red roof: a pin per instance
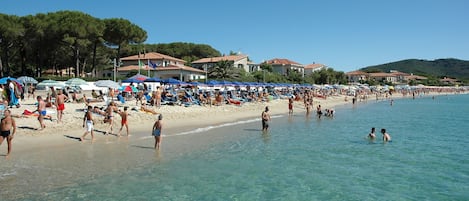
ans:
(154, 64)
(311, 68)
(356, 76)
(285, 66)
(239, 61)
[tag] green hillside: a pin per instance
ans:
(453, 68)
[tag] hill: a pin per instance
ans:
(453, 68)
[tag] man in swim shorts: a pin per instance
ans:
(60, 104)
(124, 122)
(7, 123)
(41, 109)
(265, 116)
(88, 121)
(157, 130)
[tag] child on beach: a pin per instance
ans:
(156, 131)
(124, 122)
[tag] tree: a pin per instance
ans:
(223, 70)
(10, 32)
(120, 33)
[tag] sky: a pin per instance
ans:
(343, 34)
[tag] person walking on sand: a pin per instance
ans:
(109, 117)
(60, 105)
(386, 136)
(88, 121)
(265, 116)
(124, 122)
(6, 125)
(157, 131)
(41, 109)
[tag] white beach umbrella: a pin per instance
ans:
(50, 83)
(107, 83)
(76, 82)
(27, 80)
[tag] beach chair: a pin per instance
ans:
(120, 98)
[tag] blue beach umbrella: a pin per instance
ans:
(153, 79)
(132, 80)
(3, 80)
(172, 81)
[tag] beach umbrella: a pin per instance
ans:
(153, 79)
(75, 82)
(128, 88)
(27, 80)
(130, 80)
(3, 80)
(139, 77)
(107, 83)
(212, 83)
(225, 83)
(50, 83)
(172, 81)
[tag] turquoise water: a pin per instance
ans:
(303, 158)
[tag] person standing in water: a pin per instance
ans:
(265, 119)
(6, 125)
(386, 136)
(372, 134)
(157, 131)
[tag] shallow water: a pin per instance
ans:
(300, 158)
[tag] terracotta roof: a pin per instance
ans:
(410, 77)
(218, 59)
(281, 61)
(397, 73)
(152, 56)
(357, 72)
(186, 68)
(381, 75)
(447, 79)
(314, 66)
(166, 68)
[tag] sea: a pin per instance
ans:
(299, 158)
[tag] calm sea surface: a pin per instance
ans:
(300, 158)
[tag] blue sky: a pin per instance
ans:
(343, 34)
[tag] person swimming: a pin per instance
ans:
(386, 136)
(372, 134)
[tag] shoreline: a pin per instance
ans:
(176, 119)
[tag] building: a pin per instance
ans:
(311, 68)
(394, 77)
(239, 61)
(450, 81)
(356, 76)
(285, 66)
(158, 65)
